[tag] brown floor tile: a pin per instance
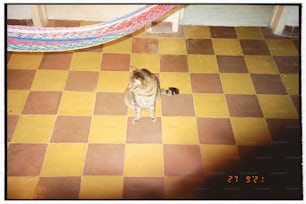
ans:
(297, 43)
(243, 106)
(25, 159)
(254, 47)
(110, 104)
(182, 160)
(39, 102)
(232, 64)
(60, 60)
(144, 45)
(268, 84)
(258, 158)
(199, 46)
(104, 159)
(11, 125)
(115, 62)
(20, 78)
(145, 131)
(82, 81)
(8, 56)
(297, 102)
(223, 32)
(284, 131)
(206, 83)
(71, 129)
(179, 105)
(58, 188)
(215, 131)
(288, 64)
(173, 63)
(143, 188)
(268, 34)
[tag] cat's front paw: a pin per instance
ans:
(135, 120)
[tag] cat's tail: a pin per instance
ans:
(171, 91)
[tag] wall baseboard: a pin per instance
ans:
(25, 22)
(292, 31)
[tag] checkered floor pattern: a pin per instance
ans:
(233, 132)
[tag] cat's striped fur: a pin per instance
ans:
(143, 91)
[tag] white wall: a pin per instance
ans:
(19, 12)
(217, 15)
(227, 15)
(293, 16)
(88, 12)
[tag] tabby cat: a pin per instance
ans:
(143, 92)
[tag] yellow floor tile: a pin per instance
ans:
(180, 130)
(237, 83)
(147, 61)
(64, 160)
(108, 129)
(227, 47)
(24, 60)
(292, 83)
(175, 79)
(182, 187)
(143, 160)
(113, 81)
(146, 113)
(101, 187)
(202, 64)
(210, 105)
(77, 103)
(49, 80)
(251, 131)
(197, 32)
(20, 187)
(16, 100)
(282, 47)
(277, 106)
(172, 46)
(34, 129)
(249, 33)
(223, 156)
(261, 64)
(122, 45)
(86, 61)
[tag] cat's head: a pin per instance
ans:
(138, 76)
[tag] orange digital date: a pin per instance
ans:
(249, 179)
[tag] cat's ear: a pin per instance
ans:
(132, 69)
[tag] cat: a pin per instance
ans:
(143, 92)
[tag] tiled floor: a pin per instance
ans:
(70, 136)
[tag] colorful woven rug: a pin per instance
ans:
(47, 39)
